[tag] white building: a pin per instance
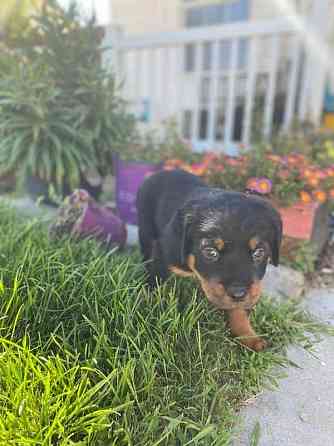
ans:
(221, 67)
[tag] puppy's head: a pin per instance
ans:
(226, 241)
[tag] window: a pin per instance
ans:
(215, 14)
(187, 123)
(203, 124)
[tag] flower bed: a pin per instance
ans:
(298, 187)
(283, 179)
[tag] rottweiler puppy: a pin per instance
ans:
(223, 239)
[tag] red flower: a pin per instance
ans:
(320, 174)
(198, 169)
(293, 159)
(283, 174)
(209, 158)
(219, 168)
(233, 162)
(330, 171)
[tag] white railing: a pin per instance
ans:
(217, 82)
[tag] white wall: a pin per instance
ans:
(142, 16)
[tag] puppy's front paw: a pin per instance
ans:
(256, 344)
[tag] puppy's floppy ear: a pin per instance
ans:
(180, 226)
(277, 226)
(178, 240)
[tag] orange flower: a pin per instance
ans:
(320, 195)
(307, 172)
(198, 169)
(274, 158)
(252, 183)
(174, 162)
(331, 193)
(305, 197)
(187, 168)
(313, 181)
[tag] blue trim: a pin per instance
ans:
(215, 14)
(329, 100)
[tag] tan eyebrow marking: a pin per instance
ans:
(253, 242)
(219, 244)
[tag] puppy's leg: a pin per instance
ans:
(146, 244)
(241, 327)
(156, 268)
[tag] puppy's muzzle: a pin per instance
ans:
(237, 292)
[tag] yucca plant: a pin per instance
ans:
(60, 111)
(39, 136)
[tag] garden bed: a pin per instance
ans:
(299, 187)
(89, 356)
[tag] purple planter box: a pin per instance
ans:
(129, 176)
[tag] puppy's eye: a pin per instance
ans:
(258, 255)
(210, 254)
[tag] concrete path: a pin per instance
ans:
(301, 411)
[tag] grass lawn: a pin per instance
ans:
(89, 357)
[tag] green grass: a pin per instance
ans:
(89, 357)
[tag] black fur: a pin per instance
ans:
(179, 215)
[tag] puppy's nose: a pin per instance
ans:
(237, 292)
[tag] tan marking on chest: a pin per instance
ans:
(180, 272)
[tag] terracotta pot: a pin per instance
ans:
(307, 222)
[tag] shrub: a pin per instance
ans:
(60, 109)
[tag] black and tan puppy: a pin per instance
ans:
(223, 239)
